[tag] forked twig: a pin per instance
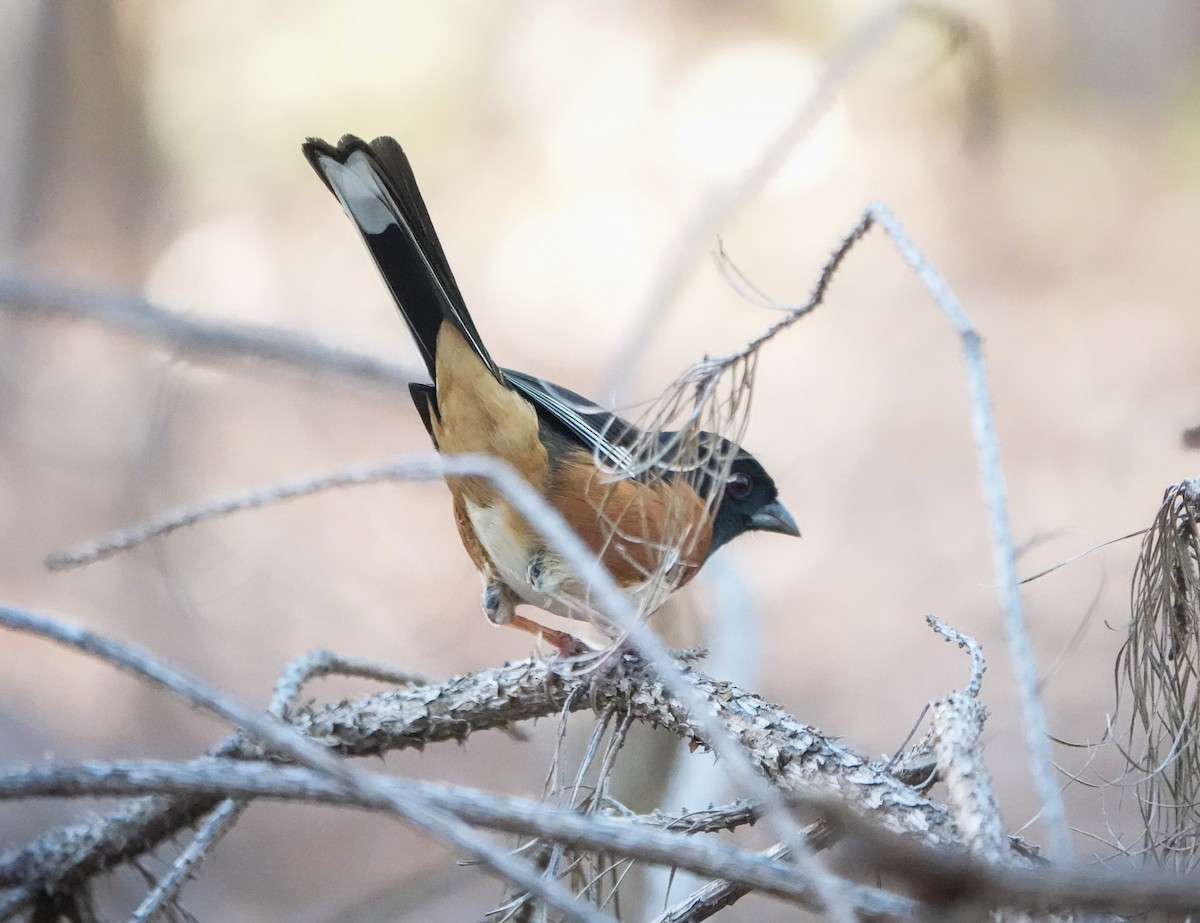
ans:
(705, 376)
(317, 664)
(287, 691)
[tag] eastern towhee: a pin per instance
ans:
(652, 516)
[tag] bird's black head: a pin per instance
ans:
(749, 502)
(738, 487)
(739, 490)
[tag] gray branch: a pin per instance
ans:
(942, 875)
(205, 340)
(790, 754)
(284, 740)
(629, 838)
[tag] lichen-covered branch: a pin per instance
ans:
(791, 755)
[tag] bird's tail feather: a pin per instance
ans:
(376, 186)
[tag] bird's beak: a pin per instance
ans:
(774, 518)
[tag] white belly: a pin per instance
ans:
(509, 555)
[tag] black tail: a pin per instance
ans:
(376, 186)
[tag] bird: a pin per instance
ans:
(652, 517)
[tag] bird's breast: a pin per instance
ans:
(511, 546)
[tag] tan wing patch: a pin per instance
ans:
(480, 414)
(651, 535)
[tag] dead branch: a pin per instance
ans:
(789, 754)
(205, 341)
(987, 447)
(633, 839)
(721, 206)
(223, 506)
(286, 741)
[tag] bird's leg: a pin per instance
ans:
(499, 603)
(566, 644)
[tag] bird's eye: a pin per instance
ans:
(738, 486)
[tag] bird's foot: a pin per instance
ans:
(535, 572)
(498, 603)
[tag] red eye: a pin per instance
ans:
(738, 487)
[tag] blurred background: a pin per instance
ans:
(568, 154)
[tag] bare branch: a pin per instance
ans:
(286, 740)
(720, 207)
(791, 755)
(987, 446)
(65, 857)
(957, 722)
(610, 600)
(219, 823)
(223, 506)
(710, 820)
(955, 879)
(633, 839)
(199, 340)
(940, 876)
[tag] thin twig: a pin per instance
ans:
(318, 664)
(1082, 554)
(219, 823)
(706, 902)
(720, 207)
(709, 820)
(987, 447)
(969, 644)
(957, 725)
(199, 340)
(223, 506)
